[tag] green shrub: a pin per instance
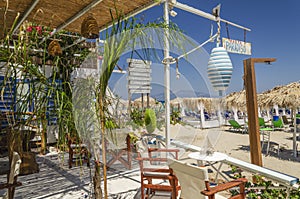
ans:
(137, 117)
(150, 120)
(175, 117)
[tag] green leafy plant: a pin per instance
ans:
(262, 188)
(175, 117)
(137, 118)
(150, 120)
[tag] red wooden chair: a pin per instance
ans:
(154, 171)
(78, 152)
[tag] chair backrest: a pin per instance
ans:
(284, 119)
(191, 178)
(117, 138)
(261, 122)
(234, 124)
(14, 167)
(278, 123)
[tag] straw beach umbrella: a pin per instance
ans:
(193, 103)
(198, 104)
(236, 101)
(286, 96)
(138, 102)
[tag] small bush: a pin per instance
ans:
(150, 120)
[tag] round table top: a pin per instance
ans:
(216, 156)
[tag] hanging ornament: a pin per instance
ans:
(219, 69)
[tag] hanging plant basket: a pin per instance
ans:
(54, 48)
(89, 28)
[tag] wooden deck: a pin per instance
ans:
(55, 180)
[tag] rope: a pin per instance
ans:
(219, 31)
(177, 69)
(227, 30)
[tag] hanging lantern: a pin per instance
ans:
(89, 28)
(54, 48)
(219, 69)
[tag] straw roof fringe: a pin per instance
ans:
(210, 104)
(67, 14)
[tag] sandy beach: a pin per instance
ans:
(236, 145)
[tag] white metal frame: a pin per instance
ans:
(167, 59)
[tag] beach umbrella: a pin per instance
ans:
(236, 99)
(286, 96)
(193, 103)
(138, 102)
(176, 101)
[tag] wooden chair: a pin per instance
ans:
(117, 154)
(78, 152)
(194, 182)
(12, 176)
(155, 174)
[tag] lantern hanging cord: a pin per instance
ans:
(201, 45)
(218, 31)
(177, 70)
(227, 30)
(172, 60)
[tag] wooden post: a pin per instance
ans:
(142, 96)
(251, 97)
(148, 99)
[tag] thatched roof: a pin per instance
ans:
(283, 96)
(236, 99)
(67, 15)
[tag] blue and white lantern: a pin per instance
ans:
(219, 69)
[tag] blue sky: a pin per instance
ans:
(274, 33)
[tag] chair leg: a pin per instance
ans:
(142, 189)
(70, 158)
(268, 144)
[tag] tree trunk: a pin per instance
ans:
(102, 118)
(44, 135)
(97, 181)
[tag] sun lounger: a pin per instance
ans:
(235, 126)
(278, 124)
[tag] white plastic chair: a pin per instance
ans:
(194, 182)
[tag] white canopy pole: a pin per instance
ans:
(167, 59)
(167, 74)
(204, 14)
(295, 134)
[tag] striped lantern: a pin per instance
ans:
(219, 69)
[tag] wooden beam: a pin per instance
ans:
(25, 15)
(252, 110)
